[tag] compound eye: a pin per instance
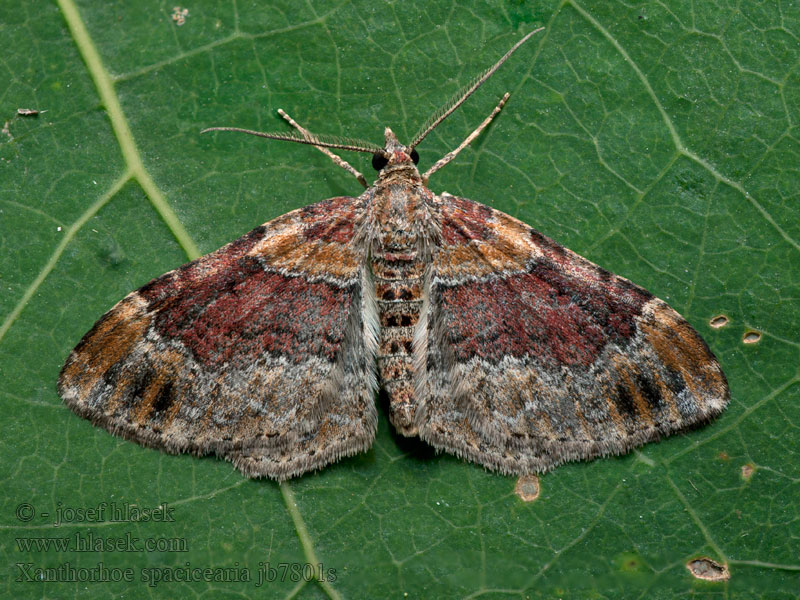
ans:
(414, 156)
(379, 161)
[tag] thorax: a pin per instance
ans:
(402, 220)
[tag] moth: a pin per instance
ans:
(492, 341)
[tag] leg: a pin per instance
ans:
(336, 159)
(451, 155)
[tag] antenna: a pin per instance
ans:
(464, 93)
(313, 139)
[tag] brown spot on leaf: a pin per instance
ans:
(719, 321)
(747, 471)
(179, 15)
(710, 570)
(724, 456)
(527, 488)
(751, 337)
(629, 562)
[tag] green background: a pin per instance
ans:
(657, 139)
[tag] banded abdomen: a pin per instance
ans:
(398, 280)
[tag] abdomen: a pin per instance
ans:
(398, 280)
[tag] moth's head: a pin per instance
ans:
(394, 156)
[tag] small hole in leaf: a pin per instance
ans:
(719, 321)
(751, 337)
(710, 570)
(747, 471)
(527, 488)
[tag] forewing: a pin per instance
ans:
(532, 355)
(258, 352)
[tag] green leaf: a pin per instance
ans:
(656, 139)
